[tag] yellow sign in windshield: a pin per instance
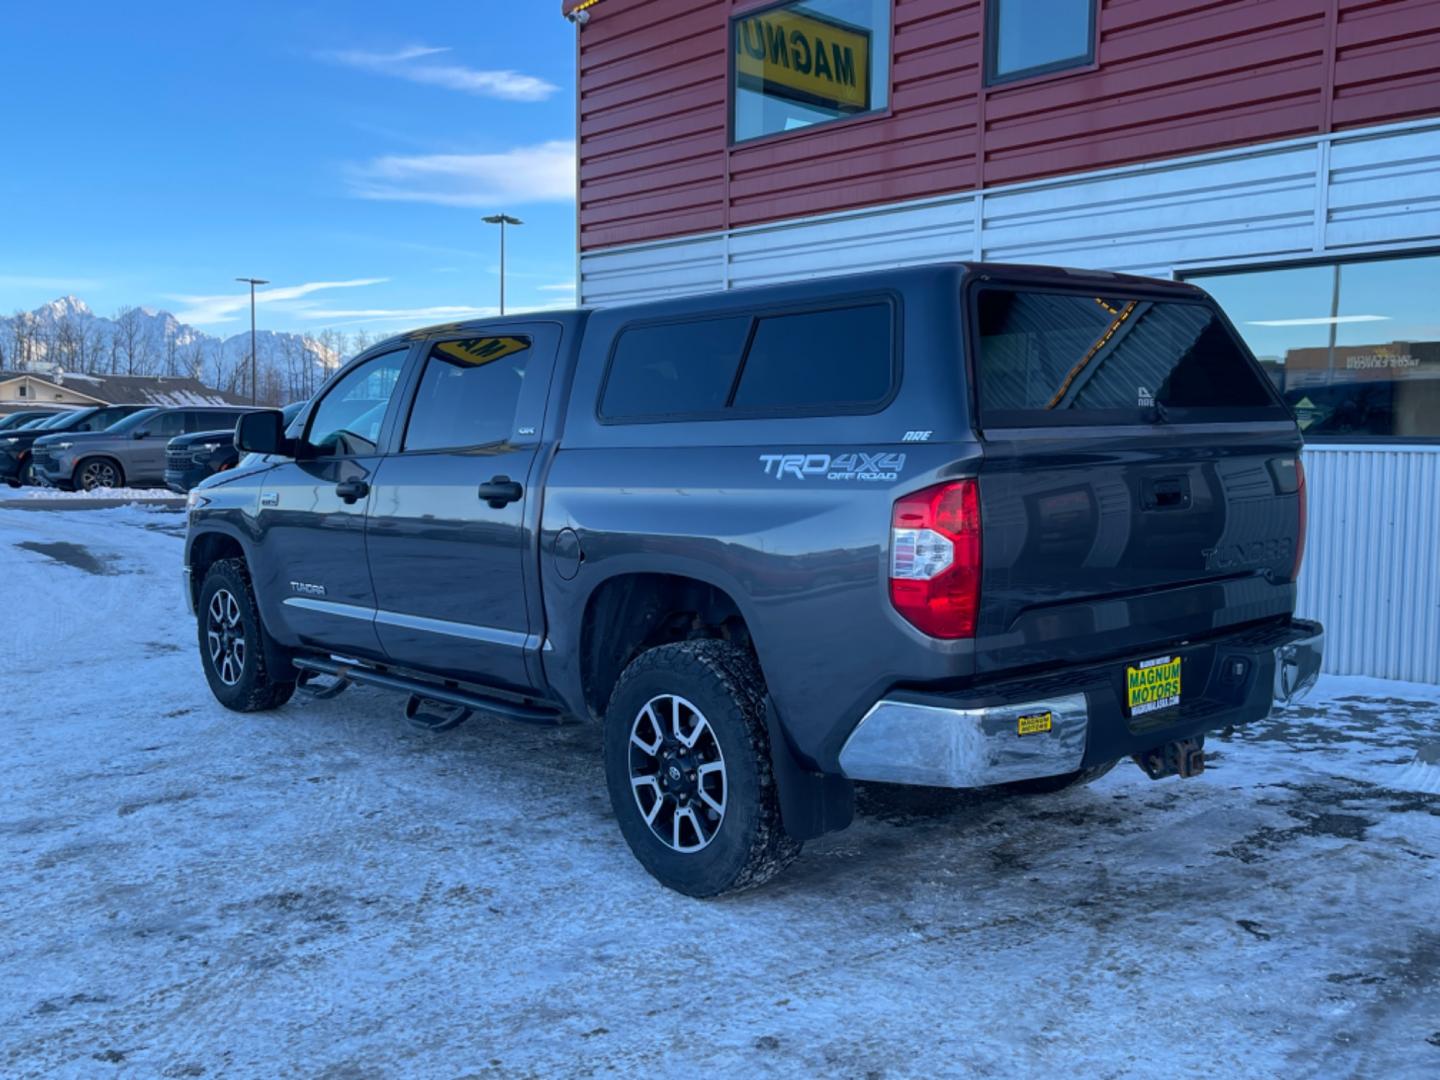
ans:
(802, 57)
(477, 351)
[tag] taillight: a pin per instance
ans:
(1304, 518)
(935, 559)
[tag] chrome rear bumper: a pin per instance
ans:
(1297, 666)
(1035, 728)
(900, 742)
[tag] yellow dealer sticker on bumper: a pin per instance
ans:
(1152, 685)
(1035, 724)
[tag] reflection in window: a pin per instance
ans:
(1066, 358)
(674, 369)
(1354, 347)
(347, 420)
(799, 64)
(1031, 37)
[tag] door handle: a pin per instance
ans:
(501, 491)
(1167, 493)
(352, 490)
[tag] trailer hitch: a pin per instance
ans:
(1184, 758)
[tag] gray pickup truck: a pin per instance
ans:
(957, 526)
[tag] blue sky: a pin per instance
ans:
(345, 151)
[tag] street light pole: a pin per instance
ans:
(502, 220)
(254, 386)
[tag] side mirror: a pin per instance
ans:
(141, 434)
(262, 433)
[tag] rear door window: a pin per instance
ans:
(674, 369)
(1076, 358)
(468, 393)
(840, 356)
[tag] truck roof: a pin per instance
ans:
(818, 287)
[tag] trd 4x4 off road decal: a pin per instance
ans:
(856, 466)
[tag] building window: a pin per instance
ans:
(1035, 37)
(804, 63)
(1354, 347)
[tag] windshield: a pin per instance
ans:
(103, 419)
(134, 420)
(65, 420)
(11, 421)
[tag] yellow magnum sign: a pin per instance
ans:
(802, 57)
(1153, 686)
(477, 351)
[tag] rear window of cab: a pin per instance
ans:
(835, 359)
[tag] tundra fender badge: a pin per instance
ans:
(305, 588)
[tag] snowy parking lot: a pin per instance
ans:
(325, 891)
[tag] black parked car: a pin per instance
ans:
(17, 466)
(191, 458)
(956, 526)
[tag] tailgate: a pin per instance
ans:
(1140, 485)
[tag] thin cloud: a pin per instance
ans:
(563, 286)
(414, 63)
(227, 307)
(526, 174)
(1321, 320)
(421, 314)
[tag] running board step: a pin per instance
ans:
(430, 691)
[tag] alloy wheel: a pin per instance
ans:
(677, 773)
(225, 634)
(98, 474)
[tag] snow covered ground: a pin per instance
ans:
(119, 495)
(324, 891)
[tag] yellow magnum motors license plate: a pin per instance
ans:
(1152, 685)
(1035, 723)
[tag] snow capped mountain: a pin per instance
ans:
(65, 307)
(66, 334)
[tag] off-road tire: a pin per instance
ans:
(724, 682)
(1052, 785)
(254, 690)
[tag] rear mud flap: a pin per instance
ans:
(811, 803)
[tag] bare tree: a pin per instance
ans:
(128, 336)
(24, 339)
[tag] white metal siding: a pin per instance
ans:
(1323, 195)
(1370, 572)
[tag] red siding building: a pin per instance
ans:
(1285, 154)
(1171, 77)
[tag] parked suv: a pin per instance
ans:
(16, 466)
(956, 526)
(191, 458)
(129, 453)
(11, 421)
